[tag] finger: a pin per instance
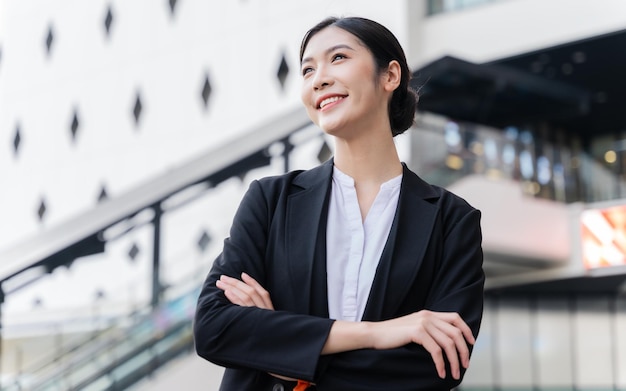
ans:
(244, 297)
(224, 287)
(235, 291)
(229, 293)
(234, 299)
(457, 336)
(241, 286)
(228, 281)
(448, 345)
(246, 294)
(456, 320)
(466, 334)
(434, 349)
(250, 281)
(465, 329)
(263, 293)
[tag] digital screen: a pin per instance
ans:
(604, 237)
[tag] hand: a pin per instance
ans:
(437, 332)
(246, 292)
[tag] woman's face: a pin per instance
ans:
(341, 88)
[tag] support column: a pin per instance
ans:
(288, 147)
(1, 335)
(156, 256)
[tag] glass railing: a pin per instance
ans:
(444, 151)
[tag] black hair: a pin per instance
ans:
(384, 47)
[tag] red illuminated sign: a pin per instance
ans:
(604, 237)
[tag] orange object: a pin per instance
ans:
(302, 385)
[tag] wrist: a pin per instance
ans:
(346, 336)
(367, 334)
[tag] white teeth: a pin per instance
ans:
(329, 100)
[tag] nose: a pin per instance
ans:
(321, 79)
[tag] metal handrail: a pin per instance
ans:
(86, 227)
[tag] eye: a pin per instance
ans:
(306, 70)
(338, 56)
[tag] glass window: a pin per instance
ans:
(441, 6)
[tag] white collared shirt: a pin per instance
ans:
(354, 246)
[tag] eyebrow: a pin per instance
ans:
(328, 51)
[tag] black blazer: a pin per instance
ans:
(432, 260)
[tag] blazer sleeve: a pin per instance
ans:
(457, 287)
(233, 336)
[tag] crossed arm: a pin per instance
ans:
(440, 333)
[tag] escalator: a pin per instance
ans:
(119, 355)
(115, 351)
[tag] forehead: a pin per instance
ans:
(328, 38)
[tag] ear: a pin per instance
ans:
(392, 76)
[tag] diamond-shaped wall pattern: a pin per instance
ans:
(172, 5)
(41, 209)
(90, 81)
(108, 20)
(283, 71)
(78, 80)
(206, 91)
(204, 241)
(17, 141)
(74, 125)
(49, 40)
(103, 195)
(133, 252)
(137, 107)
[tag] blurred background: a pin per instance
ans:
(129, 131)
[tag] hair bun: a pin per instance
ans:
(402, 110)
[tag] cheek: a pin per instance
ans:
(304, 95)
(306, 98)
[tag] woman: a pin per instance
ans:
(355, 275)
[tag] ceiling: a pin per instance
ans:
(579, 86)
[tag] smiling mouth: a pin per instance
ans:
(330, 100)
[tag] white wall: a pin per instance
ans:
(164, 58)
(509, 27)
(161, 56)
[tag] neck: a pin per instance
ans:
(371, 159)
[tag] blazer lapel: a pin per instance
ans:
(405, 248)
(306, 213)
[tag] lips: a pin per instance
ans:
(326, 100)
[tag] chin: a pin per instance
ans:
(330, 130)
(332, 127)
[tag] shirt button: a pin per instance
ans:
(278, 387)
